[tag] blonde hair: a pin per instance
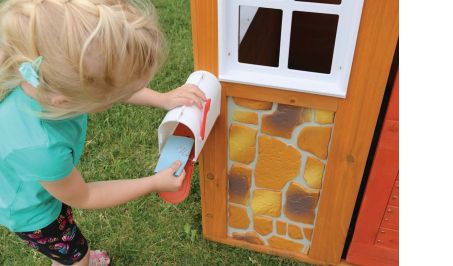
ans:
(96, 52)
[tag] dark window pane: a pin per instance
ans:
(336, 2)
(260, 44)
(312, 41)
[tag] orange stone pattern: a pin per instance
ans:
(251, 237)
(242, 143)
(295, 232)
(239, 179)
(277, 163)
(282, 243)
(277, 156)
(263, 225)
(245, 117)
(301, 204)
(281, 227)
(238, 217)
(283, 121)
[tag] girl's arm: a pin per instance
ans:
(185, 95)
(73, 190)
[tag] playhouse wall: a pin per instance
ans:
(259, 135)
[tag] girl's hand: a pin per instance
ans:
(187, 95)
(165, 181)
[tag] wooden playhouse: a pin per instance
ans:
(302, 86)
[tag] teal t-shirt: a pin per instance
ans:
(34, 150)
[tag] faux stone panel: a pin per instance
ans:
(239, 183)
(245, 117)
(282, 243)
(314, 170)
(283, 121)
(250, 237)
(242, 143)
(263, 225)
(277, 163)
(238, 217)
(267, 202)
(295, 232)
(252, 104)
(300, 204)
(324, 117)
(315, 140)
(281, 227)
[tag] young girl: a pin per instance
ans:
(59, 60)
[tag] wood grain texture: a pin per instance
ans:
(388, 238)
(281, 96)
(355, 124)
(272, 251)
(204, 35)
(213, 161)
(372, 255)
(265, 249)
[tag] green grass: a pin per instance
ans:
(122, 143)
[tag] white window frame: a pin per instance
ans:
(281, 77)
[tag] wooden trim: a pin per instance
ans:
(354, 127)
(204, 35)
(269, 250)
(281, 96)
(213, 161)
(263, 249)
(213, 177)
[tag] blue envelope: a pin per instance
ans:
(176, 148)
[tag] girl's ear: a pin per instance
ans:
(59, 100)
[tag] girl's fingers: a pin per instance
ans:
(195, 99)
(195, 90)
(174, 167)
(186, 101)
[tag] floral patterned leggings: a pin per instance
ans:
(61, 241)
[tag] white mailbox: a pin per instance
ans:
(200, 122)
(190, 121)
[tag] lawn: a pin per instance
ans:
(122, 143)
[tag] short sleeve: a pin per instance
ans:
(44, 163)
